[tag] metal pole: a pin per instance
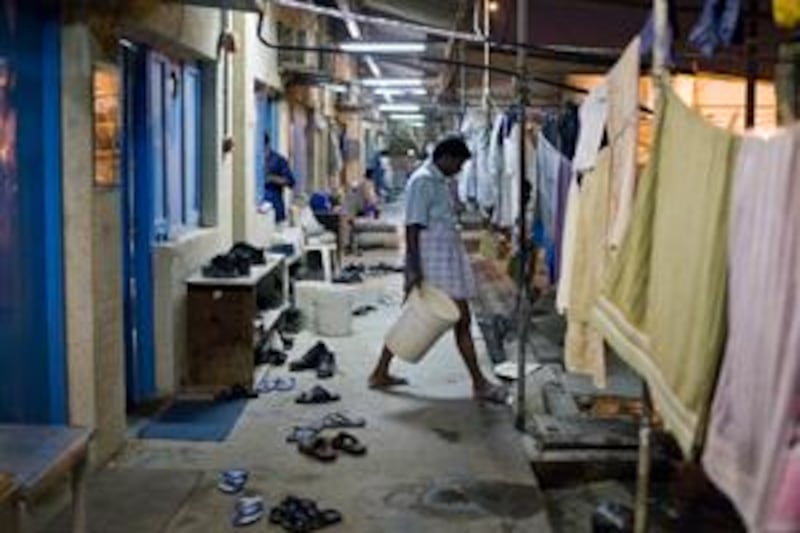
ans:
(523, 315)
(751, 59)
(643, 469)
(660, 50)
(462, 54)
(487, 54)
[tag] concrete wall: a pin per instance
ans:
(173, 262)
(93, 261)
(255, 64)
(109, 346)
(76, 102)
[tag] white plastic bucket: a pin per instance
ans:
(333, 313)
(428, 314)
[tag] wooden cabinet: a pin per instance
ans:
(226, 318)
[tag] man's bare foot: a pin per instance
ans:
(491, 393)
(386, 381)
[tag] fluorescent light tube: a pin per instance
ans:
(416, 117)
(382, 47)
(400, 91)
(393, 82)
(399, 108)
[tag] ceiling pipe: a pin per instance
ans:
(381, 21)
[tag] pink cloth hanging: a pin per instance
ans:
(752, 451)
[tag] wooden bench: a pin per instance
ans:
(36, 457)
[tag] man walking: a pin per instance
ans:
(435, 253)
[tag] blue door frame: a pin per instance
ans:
(138, 229)
(32, 351)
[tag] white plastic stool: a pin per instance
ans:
(327, 254)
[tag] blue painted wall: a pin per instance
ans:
(32, 358)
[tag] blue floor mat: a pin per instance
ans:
(195, 420)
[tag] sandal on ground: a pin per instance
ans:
(326, 366)
(278, 384)
(317, 448)
(317, 395)
(232, 481)
(491, 393)
(310, 360)
(248, 510)
(339, 420)
(302, 433)
(349, 444)
(296, 515)
(326, 518)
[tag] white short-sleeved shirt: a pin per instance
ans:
(429, 199)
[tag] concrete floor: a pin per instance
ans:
(437, 461)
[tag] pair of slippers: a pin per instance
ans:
(301, 515)
(318, 358)
(334, 420)
(276, 384)
(316, 395)
(248, 509)
(327, 450)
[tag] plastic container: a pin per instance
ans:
(333, 313)
(427, 315)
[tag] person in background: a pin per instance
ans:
(436, 255)
(278, 178)
(377, 175)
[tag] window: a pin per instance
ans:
(175, 142)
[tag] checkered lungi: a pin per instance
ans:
(445, 263)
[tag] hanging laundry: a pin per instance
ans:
(623, 133)
(473, 129)
(549, 162)
(568, 128)
(786, 13)
(554, 173)
(647, 35)
(718, 26)
(508, 184)
(756, 407)
(495, 162)
(584, 351)
(593, 115)
(568, 245)
(663, 309)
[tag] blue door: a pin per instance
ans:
(138, 228)
(32, 355)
